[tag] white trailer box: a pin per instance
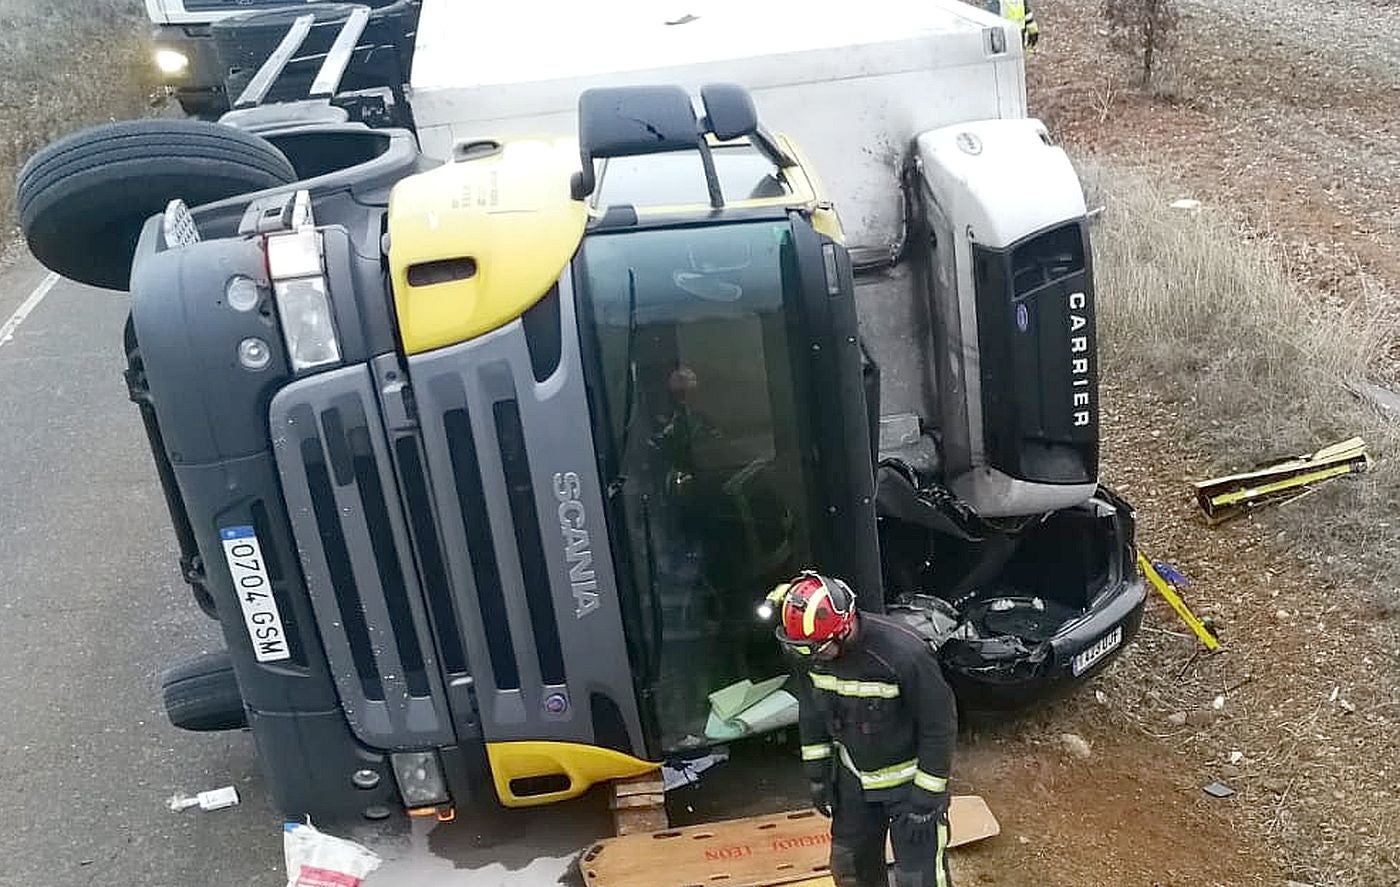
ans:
(852, 83)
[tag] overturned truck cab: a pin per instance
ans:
(483, 457)
(507, 448)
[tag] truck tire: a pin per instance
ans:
(84, 199)
(201, 694)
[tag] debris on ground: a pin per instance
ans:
(316, 859)
(214, 799)
(1387, 401)
(1076, 745)
(1217, 790)
(686, 771)
(1223, 498)
(1202, 718)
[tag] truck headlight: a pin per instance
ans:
(303, 303)
(172, 61)
(419, 774)
(306, 322)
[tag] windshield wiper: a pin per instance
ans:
(648, 634)
(656, 622)
(629, 396)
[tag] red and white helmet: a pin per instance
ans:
(815, 610)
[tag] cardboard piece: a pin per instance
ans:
(760, 851)
(747, 709)
(771, 713)
(730, 701)
(722, 731)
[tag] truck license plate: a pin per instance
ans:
(1101, 648)
(260, 614)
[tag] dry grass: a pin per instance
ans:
(65, 64)
(1210, 317)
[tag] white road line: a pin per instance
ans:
(7, 332)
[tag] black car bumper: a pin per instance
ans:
(1005, 678)
(1001, 674)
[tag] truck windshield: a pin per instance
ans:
(694, 396)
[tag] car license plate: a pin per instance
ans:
(1100, 648)
(260, 614)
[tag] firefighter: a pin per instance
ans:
(877, 723)
(1020, 12)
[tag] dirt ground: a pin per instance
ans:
(1308, 699)
(1288, 116)
(1284, 112)
(1307, 732)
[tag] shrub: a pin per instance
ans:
(66, 64)
(1143, 30)
(1257, 366)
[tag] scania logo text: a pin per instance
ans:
(578, 551)
(1080, 377)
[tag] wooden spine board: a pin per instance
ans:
(761, 851)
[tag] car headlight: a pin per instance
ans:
(172, 61)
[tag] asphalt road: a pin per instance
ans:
(92, 608)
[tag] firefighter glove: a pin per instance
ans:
(920, 821)
(821, 796)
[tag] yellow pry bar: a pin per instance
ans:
(1166, 591)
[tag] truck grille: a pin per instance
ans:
(419, 505)
(362, 574)
(430, 522)
(507, 437)
(515, 465)
(471, 500)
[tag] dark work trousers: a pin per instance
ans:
(858, 829)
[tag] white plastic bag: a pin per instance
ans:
(315, 859)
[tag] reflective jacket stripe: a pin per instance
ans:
(892, 776)
(862, 689)
(816, 752)
(940, 859)
(929, 783)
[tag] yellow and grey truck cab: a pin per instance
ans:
(483, 445)
(452, 429)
